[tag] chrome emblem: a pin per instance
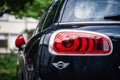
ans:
(60, 65)
(118, 67)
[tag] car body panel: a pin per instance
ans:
(91, 66)
(40, 64)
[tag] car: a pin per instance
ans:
(74, 39)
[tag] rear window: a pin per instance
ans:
(90, 10)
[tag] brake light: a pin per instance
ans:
(79, 42)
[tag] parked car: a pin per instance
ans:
(74, 39)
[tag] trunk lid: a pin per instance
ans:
(83, 67)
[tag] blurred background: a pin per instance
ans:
(16, 17)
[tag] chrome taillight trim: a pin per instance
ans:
(73, 30)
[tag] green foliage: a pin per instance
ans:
(13, 6)
(27, 8)
(37, 8)
(8, 66)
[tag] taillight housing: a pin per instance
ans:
(79, 42)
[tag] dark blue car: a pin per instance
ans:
(74, 40)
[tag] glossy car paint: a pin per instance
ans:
(83, 66)
(38, 62)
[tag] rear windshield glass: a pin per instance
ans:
(90, 10)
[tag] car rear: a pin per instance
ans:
(82, 63)
(82, 45)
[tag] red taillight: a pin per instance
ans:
(79, 42)
(19, 41)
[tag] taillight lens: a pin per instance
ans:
(79, 42)
(19, 41)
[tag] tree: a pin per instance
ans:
(27, 8)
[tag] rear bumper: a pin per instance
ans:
(61, 75)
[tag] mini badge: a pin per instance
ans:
(60, 65)
(118, 67)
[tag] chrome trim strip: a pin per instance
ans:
(92, 22)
